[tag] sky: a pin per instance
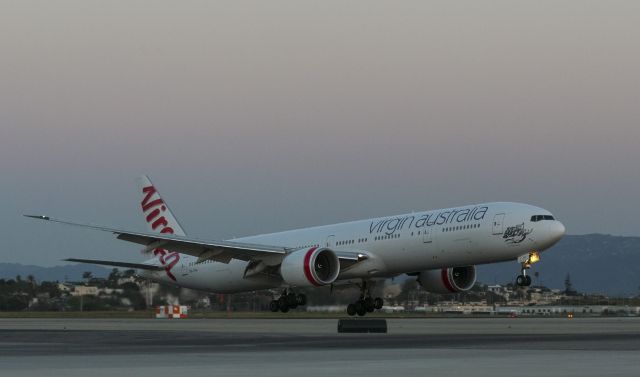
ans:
(260, 116)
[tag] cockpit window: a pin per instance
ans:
(536, 218)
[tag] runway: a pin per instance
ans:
(312, 347)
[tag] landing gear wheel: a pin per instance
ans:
(378, 303)
(302, 299)
(369, 305)
(523, 280)
(361, 309)
(282, 304)
(292, 300)
(273, 306)
(351, 309)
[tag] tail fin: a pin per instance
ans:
(155, 210)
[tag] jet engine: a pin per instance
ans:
(448, 280)
(310, 267)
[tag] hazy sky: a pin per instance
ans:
(258, 116)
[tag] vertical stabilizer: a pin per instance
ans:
(159, 219)
(155, 210)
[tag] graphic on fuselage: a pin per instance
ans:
(392, 225)
(516, 234)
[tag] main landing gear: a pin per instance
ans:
(366, 304)
(287, 301)
(524, 280)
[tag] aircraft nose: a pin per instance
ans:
(556, 231)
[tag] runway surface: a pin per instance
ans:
(312, 347)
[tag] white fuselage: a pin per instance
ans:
(460, 236)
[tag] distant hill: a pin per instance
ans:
(57, 273)
(597, 263)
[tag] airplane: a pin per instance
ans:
(439, 247)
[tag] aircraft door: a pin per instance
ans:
(331, 240)
(426, 236)
(498, 223)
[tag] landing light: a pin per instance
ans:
(534, 257)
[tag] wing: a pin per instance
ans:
(219, 251)
(349, 258)
(138, 266)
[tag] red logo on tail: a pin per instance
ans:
(157, 221)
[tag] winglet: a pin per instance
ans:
(39, 217)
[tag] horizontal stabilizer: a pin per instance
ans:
(138, 266)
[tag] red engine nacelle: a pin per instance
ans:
(448, 280)
(310, 267)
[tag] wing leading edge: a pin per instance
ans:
(139, 266)
(219, 251)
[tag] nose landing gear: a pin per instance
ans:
(524, 280)
(288, 300)
(366, 304)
